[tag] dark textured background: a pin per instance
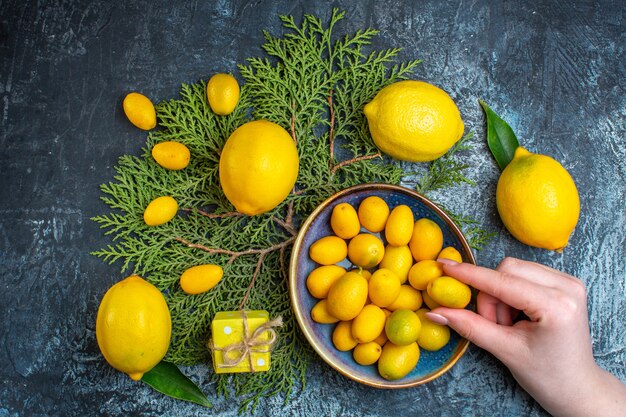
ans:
(555, 70)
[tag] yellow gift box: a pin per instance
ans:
(242, 341)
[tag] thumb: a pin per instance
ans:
(497, 339)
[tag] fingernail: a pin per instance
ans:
(447, 261)
(437, 318)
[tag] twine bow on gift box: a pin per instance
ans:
(250, 343)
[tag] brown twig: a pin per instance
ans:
(331, 139)
(286, 225)
(331, 131)
(293, 122)
(352, 161)
(236, 254)
(252, 281)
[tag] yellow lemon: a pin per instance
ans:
(382, 337)
(428, 300)
(258, 167)
(450, 252)
(171, 155)
(328, 250)
(342, 336)
(409, 298)
(320, 313)
(322, 278)
(432, 336)
(222, 91)
(364, 273)
(399, 227)
(368, 324)
(201, 278)
(347, 296)
(449, 292)
(537, 200)
(160, 211)
(373, 213)
(367, 353)
(396, 362)
(384, 287)
(413, 121)
(133, 326)
(366, 250)
(140, 111)
(426, 240)
(399, 260)
(423, 272)
(344, 221)
(403, 327)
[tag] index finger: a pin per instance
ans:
(515, 291)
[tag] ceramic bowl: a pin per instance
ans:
(431, 364)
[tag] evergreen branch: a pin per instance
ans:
(312, 83)
(446, 171)
(236, 254)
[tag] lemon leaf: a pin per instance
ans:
(166, 378)
(501, 139)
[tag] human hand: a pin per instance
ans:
(549, 354)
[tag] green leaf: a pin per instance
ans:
(500, 137)
(166, 378)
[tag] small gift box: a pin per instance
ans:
(242, 341)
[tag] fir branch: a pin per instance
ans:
(446, 171)
(476, 236)
(315, 85)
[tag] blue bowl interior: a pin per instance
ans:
(320, 335)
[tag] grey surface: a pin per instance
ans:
(555, 71)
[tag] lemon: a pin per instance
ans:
(133, 326)
(344, 221)
(449, 292)
(373, 213)
(426, 240)
(222, 91)
(432, 336)
(384, 287)
(428, 300)
(320, 314)
(342, 336)
(399, 260)
(423, 272)
(140, 111)
(322, 278)
(413, 121)
(368, 324)
(258, 167)
(328, 250)
(537, 200)
(347, 296)
(409, 298)
(403, 327)
(171, 155)
(366, 250)
(160, 211)
(450, 252)
(396, 362)
(201, 278)
(399, 227)
(364, 273)
(367, 353)
(382, 338)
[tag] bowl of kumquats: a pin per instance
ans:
(363, 273)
